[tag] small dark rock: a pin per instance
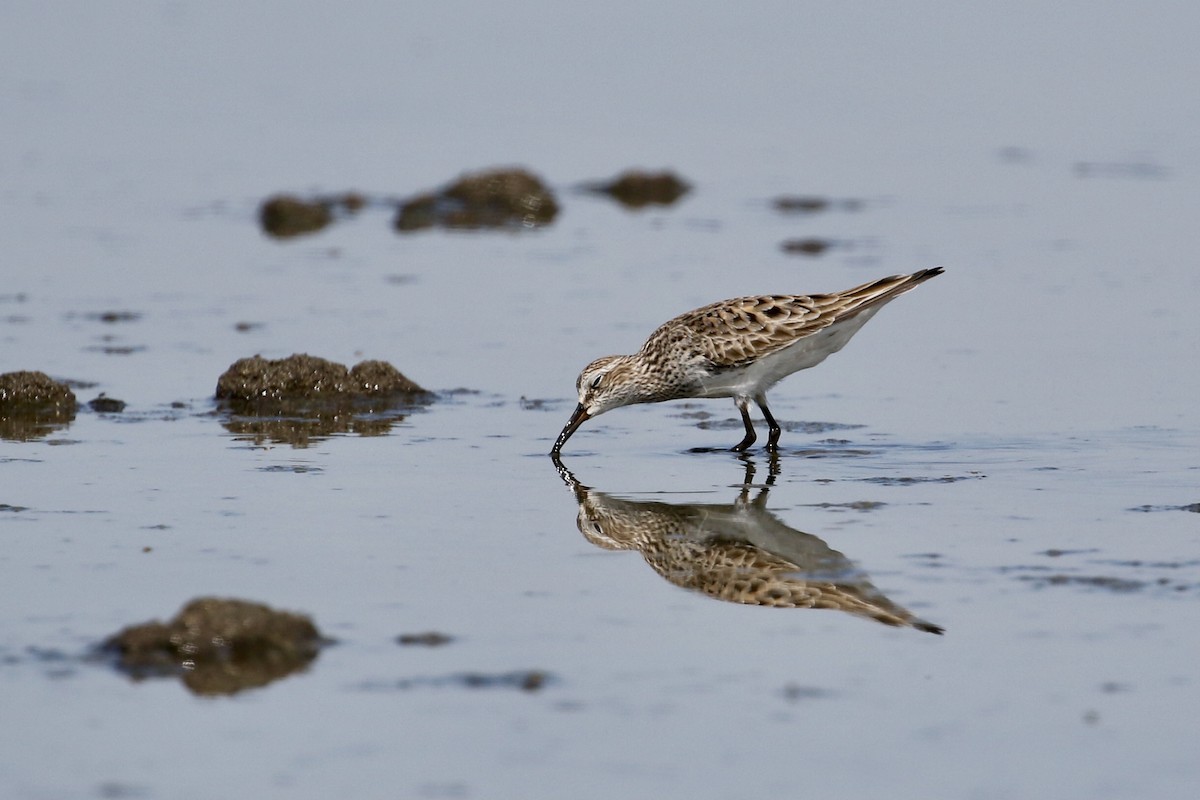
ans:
(503, 198)
(637, 189)
(107, 405)
(285, 216)
(218, 646)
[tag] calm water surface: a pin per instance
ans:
(1008, 452)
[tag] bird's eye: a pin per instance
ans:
(596, 381)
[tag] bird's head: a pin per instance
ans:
(606, 383)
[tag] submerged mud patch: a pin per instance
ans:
(1193, 507)
(856, 505)
(1108, 582)
(1118, 576)
(33, 405)
(426, 639)
(526, 680)
(813, 204)
(912, 480)
(538, 404)
(218, 646)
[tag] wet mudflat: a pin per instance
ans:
(972, 570)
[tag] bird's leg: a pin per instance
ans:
(773, 436)
(743, 404)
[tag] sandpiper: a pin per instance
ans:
(735, 348)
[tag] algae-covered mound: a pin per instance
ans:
(301, 398)
(501, 198)
(32, 404)
(218, 645)
(301, 376)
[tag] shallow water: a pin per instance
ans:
(1008, 452)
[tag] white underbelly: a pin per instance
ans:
(760, 375)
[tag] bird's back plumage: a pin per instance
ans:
(731, 333)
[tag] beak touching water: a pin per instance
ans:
(578, 418)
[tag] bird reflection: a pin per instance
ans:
(739, 552)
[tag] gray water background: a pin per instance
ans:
(1019, 414)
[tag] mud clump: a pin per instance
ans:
(218, 646)
(503, 198)
(637, 189)
(284, 216)
(32, 405)
(301, 398)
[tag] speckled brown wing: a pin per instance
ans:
(732, 332)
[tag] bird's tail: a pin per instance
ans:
(876, 293)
